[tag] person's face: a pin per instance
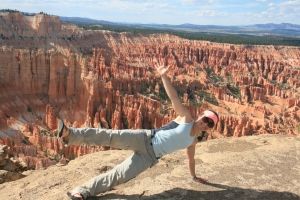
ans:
(204, 123)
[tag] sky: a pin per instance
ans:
(201, 12)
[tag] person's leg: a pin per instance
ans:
(141, 159)
(130, 168)
(122, 139)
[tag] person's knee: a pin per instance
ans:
(126, 172)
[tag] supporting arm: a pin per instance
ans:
(190, 154)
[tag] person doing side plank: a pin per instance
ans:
(147, 145)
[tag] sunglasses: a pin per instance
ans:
(210, 123)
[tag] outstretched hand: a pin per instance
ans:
(161, 68)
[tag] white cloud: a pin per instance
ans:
(148, 5)
(261, 0)
(211, 13)
(286, 5)
(197, 2)
(285, 8)
(271, 4)
(165, 5)
(271, 9)
(287, 11)
(137, 1)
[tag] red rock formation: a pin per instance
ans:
(61, 76)
(50, 118)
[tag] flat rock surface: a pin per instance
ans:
(254, 167)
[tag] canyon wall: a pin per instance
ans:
(51, 70)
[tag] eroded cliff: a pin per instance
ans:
(51, 70)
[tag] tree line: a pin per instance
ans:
(24, 13)
(212, 37)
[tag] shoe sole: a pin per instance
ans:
(60, 128)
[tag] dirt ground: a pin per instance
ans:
(254, 167)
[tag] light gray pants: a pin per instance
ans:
(143, 157)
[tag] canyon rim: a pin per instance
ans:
(52, 70)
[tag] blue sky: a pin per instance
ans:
(202, 12)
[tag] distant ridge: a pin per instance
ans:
(84, 20)
(278, 26)
(282, 29)
(186, 25)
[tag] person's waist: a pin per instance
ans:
(153, 132)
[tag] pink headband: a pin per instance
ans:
(211, 115)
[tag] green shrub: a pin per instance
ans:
(56, 157)
(29, 109)
(72, 156)
(45, 153)
(196, 104)
(234, 91)
(125, 123)
(144, 88)
(60, 152)
(283, 86)
(163, 94)
(207, 97)
(163, 111)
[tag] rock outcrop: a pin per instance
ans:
(243, 168)
(10, 168)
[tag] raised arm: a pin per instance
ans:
(172, 94)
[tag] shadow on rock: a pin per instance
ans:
(227, 193)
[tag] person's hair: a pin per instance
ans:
(201, 136)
